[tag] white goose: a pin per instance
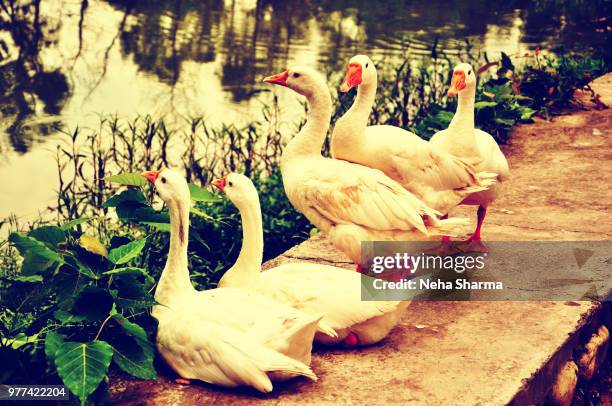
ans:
(438, 178)
(350, 202)
(228, 337)
(311, 288)
(473, 145)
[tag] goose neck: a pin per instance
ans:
(174, 280)
(463, 120)
(361, 108)
(348, 135)
(309, 141)
(248, 264)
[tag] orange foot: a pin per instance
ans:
(182, 381)
(351, 340)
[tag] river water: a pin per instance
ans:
(65, 62)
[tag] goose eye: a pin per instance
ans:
(230, 183)
(163, 180)
(295, 75)
(367, 64)
(469, 73)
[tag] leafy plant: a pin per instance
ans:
(76, 294)
(86, 300)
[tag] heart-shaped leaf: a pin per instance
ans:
(82, 366)
(37, 256)
(134, 196)
(128, 179)
(50, 235)
(131, 293)
(127, 252)
(92, 304)
(133, 352)
(132, 213)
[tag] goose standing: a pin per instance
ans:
(228, 337)
(438, 178)
(311, 288)
(475, 146)
(351, 203)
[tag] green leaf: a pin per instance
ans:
(66, 317)
(37, 256)
(31, 246)
(443, 117)
(67, 226)
(50, 235)
(127, 270)
(131, 293)
(127, 252)
(482, 104)
(66, 284)
(137, 214)
(93, 304)
(128, 179)
(130, 271)
(505, 121)
(133, 329)
(19, 340)
(82, 366)
(135, 303)
(199, 194)
(27, 278)
(34, 264)
(53, 341)
(134, 196)
(527, 113)
(73, 260)
(133, 352)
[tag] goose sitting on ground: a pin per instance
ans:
(350, 202)
(438, 178)
(229, 337)
(311, 288)
(475, 146)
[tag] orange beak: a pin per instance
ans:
(151, 176)
(457, 83)
(278, 79)
(353, 77)
(220, 183)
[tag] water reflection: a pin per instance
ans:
(243, 39)
(28, 87)
(61, 63)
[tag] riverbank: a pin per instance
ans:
(460, 352)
